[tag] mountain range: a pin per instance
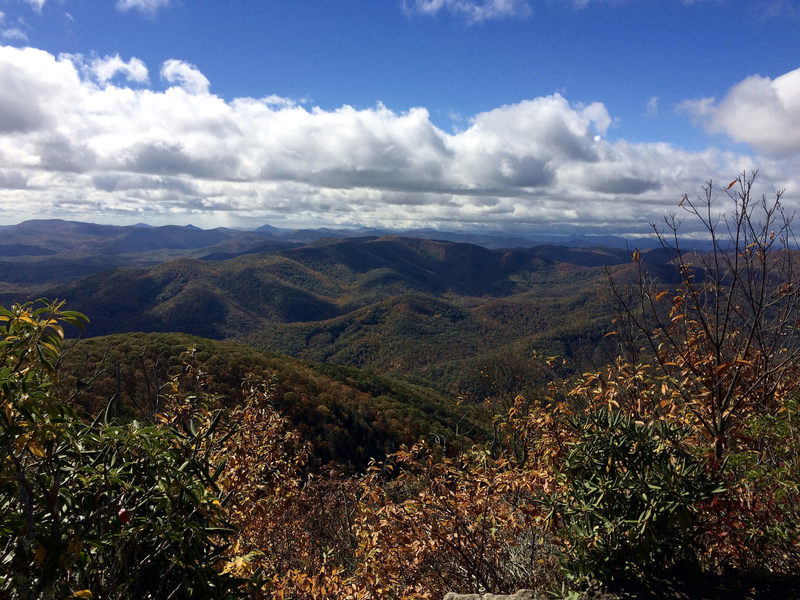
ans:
(389, 303)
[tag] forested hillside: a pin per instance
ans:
(349, 416)
(389, 304)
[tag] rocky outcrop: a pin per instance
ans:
(520, 595)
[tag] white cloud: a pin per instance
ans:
(148, 7)
(71, 146)
(762, 112)
(185, 75)
(36, 5)
(12, 180)
(104, 69)
(473, 11)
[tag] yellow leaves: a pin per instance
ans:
(83, 594)
(731, 184)
(241, 565)
(21, 442)
(637, 255)
(53, 324)
(26, 319)
(660, 295)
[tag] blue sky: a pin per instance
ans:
(592, 114)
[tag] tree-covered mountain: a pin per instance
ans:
(431, 308)
(389, 304)
(348, 415)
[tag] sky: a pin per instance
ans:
(588, 116)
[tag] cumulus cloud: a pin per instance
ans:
(105, 69)
(148, 7)
(473, 11)
(22, 93)
(185, 75)
(762, 112)
(73, 146)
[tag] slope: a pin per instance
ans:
(349, 416)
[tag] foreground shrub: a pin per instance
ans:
(755, 526)
(97, 509)
(294, 527)
(466, 524)
(630, 496)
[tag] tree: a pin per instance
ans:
(725, 337)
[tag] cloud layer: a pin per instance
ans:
(84, 139)
(759, 111)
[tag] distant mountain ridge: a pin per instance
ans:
(60, 235)
(42, 252)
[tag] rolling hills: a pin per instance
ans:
(427, 308)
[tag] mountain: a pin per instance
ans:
(489, 239)
(322, 281)
(40, 253)
(389, 304)
(51, 236)
(51, 251)
(348, 415)
(433, 309)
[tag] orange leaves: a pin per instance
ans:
(721, 369)
(450, 516)
(660, 295)
(416, 526)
